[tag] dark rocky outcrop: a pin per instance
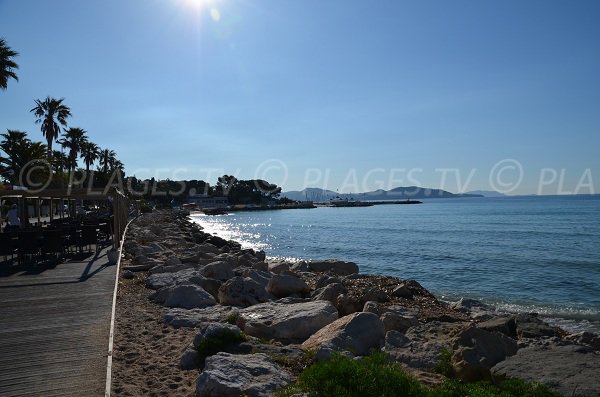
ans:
(573, 370)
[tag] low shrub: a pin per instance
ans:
(444, 365)
(215, 343)
(369, 376)
(375, 376)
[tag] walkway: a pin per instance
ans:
(54, 326)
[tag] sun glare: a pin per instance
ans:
(200, 3)
(205, 5)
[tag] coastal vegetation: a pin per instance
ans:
(376, 376)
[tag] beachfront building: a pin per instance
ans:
(206, 201)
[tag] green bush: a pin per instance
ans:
(216, 343)
(444, 365)
(375, 376)
(508, 388)
(369, 376)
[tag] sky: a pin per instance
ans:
(347, 95)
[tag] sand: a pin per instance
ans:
(146, 352)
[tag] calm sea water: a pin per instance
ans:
(538, 254)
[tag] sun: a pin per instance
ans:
(200, 3)
(205, 5)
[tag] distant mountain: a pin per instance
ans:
(487, 193)
(399, 193)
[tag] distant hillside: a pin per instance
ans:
(399, 193)
(487, 193)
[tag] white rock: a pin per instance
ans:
(358, 333)
(288, 323)
(188, 296)
(235, 375)
(286, 284)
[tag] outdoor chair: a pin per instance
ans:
(53, 243)
(89, 236)
(73, 236)
(28, 244)
(8, 245)
(105, 230)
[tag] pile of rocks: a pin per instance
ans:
(279, 310)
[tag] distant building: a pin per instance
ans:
(206, 201)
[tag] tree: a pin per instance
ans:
(89, 153)
(59, 161)
(73, 139)
(22, 156)
(7, 64)
(11, 140)
(107, 159)
(51, 112)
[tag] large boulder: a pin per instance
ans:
(220, 270)
(358, 333)
(214, 330)
(476, 351)
(474, 308)
(329, 293)
(188, 296)
(300, 266)
(241, 375)
(424, 344)
(341, 268)
(585, 338)
(374, 295)
(193, 318)
(398, 322)
(395, 339)
(286, 322)
(402, 291)
(503, 324)
(278, 266)
(325, 280)
(286, 284)
(207, 248)
(572, 370)
(243, 291)
(348, 304)
(530, 326)
(165, 282)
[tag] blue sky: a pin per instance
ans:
(347, 95)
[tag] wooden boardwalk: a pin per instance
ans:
(54, 327)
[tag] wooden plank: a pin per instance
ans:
(54, 327)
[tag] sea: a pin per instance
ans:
(521, 254)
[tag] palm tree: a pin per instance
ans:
(59, 161)
(51, 112)
(11, 138)
(21, 153)
(10, 143)
(7, 65)
(73, 139)
(118, 165)
(89, 153)
(107, 159)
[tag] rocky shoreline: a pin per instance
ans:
(199, 315)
